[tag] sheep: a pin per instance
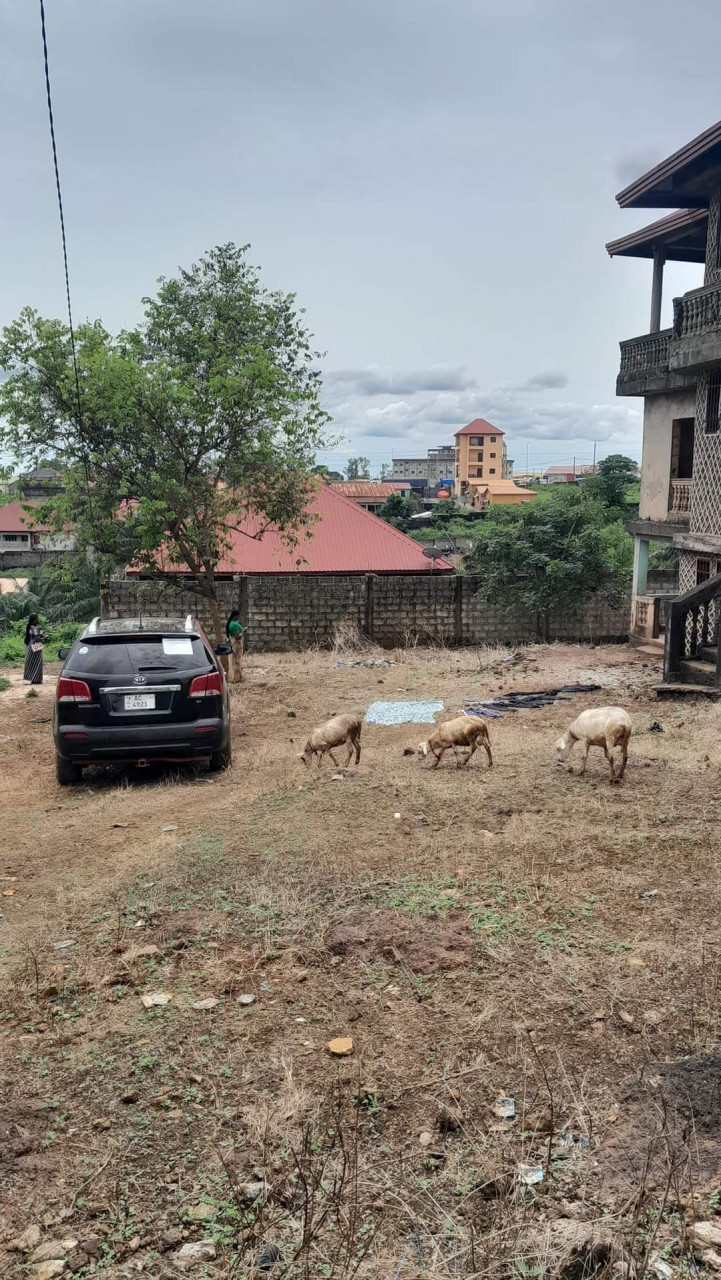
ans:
(605, 727)
(464, 731)
(345, 728)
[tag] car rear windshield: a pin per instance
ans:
(129, 656)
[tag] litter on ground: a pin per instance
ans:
(403, 712)
(495, 707)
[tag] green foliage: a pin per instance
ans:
(444, 513)
(358, 469)
(613, 479)
(397, 510)
(67, 592)
(552, 555)
(12, 641)
(207, 411)
(332, 477)
(4, 684)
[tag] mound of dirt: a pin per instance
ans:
(669, 1123)
(424, 944)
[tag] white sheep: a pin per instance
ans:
(464, 731)
(605, 727)
(345, 728)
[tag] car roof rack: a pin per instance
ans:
(189, 624)
(92, 627)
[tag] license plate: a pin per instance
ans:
(140, 702)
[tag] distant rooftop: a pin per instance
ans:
(479, 427)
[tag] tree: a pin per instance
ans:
(444, 512)
(358, 469)
(397, 510)
(612, 481)
(331, 477)
(551, 555)
(385, 470)
(205, 413)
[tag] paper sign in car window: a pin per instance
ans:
(182, 645)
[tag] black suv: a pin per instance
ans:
(140, 690)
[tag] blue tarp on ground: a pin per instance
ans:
(403, 712)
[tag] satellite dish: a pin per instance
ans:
(435, 553)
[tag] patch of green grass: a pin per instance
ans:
(4, 684)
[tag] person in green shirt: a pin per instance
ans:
(235, 630)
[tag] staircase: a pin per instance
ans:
(691, 660)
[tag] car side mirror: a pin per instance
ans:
(223, 650)
(62, 654)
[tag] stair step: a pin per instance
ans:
(708, 654)
(688, 691)
(694, 671)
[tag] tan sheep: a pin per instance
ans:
(345, 728)
(464, 731)
(605, 727)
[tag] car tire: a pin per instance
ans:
(67, 772)
(221, 759)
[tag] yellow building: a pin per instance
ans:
(482, 478)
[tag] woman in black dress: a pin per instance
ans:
(33, 650)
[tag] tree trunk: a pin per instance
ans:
(217, 620)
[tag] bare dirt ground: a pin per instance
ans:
(515, 933)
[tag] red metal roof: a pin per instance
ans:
(344, 538)
(479, 427)
(15, 518)
(363, 490)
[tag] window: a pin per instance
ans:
(713, 399)
(476, 441)
(703, 570)
(132, 654)
(682, 449)
(479, 471)
(493, 455)
(492, 471)
(10, 537)
(493, 439)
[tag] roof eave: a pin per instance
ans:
(655, 189)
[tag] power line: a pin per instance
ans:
(60, 210)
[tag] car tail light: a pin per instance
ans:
(73, 690)
(207, 686)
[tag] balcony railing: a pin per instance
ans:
(679, 499)
(645, 354)
(697, 312)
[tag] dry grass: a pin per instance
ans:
(573, 993)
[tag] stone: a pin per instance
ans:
(93, 1246)
(707, 1234)
(69, 1243)
(341, 1047)
(46, 1270)
(425, 1138)
(200, 1212)
(250, 1192)
(49, 1252)
(171, 1237)
(626, 1017)
(268, 1257)
(134, 1244)
(246, 998)
(194, 1254)
(153, 998)
(30, 1239)
(208, 1003)
(140, 953)
(77, 1260)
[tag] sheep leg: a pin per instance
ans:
(349, 753)
(586, 747)
(624, 757)
(474, 746)
(437, 757)
(357, 744)
(487, 745)
(459, 762)
(330, 753)
(608, 752)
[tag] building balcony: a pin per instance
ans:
(679, 501)
(644, 364)
(696, 338)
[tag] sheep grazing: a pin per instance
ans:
(464, 731)
(605, 727)
(345, 728)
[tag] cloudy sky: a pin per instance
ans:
(435, 179)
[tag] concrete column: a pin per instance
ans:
(657, 290)
(640, 566)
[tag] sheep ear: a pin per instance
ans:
(423, 748)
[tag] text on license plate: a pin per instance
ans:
(140, 702)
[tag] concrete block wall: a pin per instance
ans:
(294, 612)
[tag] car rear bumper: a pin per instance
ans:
(196, 740)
